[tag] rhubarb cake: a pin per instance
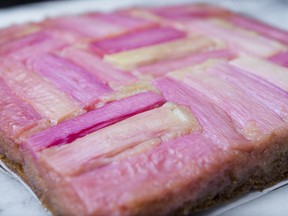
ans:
(144, 111)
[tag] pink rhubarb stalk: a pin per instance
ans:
(160, 68)
(159, 52)
(238, 39)
(87, 26)
(188, 12)
(72, 79)
(160, 124)
(251, 118)
(16, 31)
(124, 20)
(280, 58)
(44, 97)
(150, 177)
(260, 27)
(31, 45)
(264, 69)
(68, 131)
(100, 69)
(137, 39)
(269, 95)
(216, 124)
(16, 116)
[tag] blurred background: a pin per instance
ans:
(9, 3)
(274, 12)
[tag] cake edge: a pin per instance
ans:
(270, 167)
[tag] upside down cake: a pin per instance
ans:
(144, 111)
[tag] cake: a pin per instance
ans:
(144, 111)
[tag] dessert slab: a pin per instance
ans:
(102, 76)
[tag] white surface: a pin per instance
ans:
(272, 204)
(16, 200)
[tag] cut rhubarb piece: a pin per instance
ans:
(14, 32)
(31, 45)
(137, 39)
(124, 19)
(169, 50)
(68, 131)
(188, 12)
(251, 118)
(164, 123)
(280, 58)
(45, 98)
(98, 25)
(161, 68)
(22, 43)
(16, 116)
(269, 95)
(241, 40)
(264, 69)
(215, 123)
(101, 70)
(127, 91)
(70, 78)
(179, 166)
(261, 28)
(87, 26)
(63, 34)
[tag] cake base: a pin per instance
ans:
(270, 168)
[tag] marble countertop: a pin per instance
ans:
(17, 200)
